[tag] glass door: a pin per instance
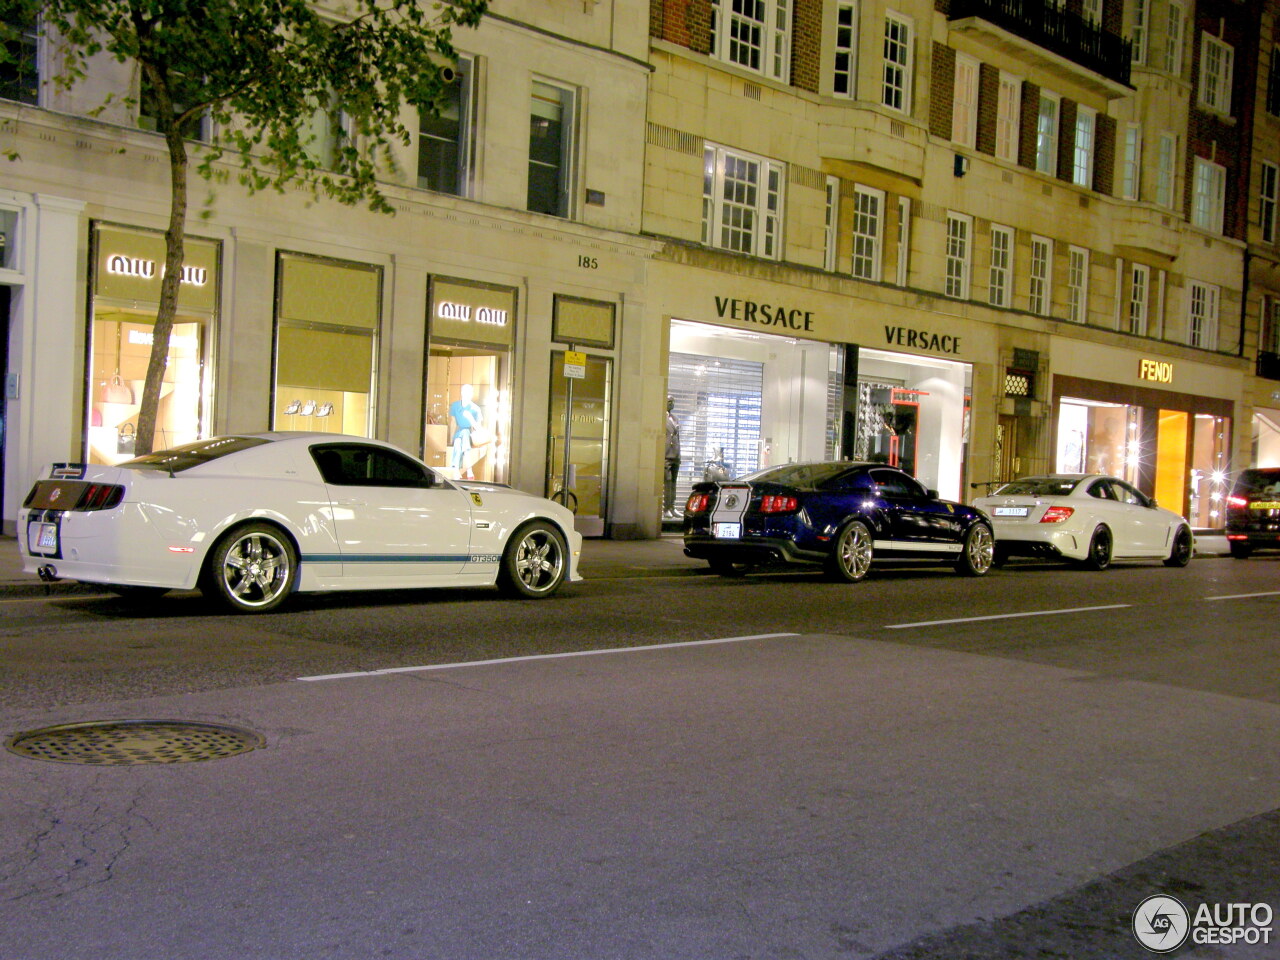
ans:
(578, 440)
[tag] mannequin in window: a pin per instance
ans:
(466, 415)
(671, 462)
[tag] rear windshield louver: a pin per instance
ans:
(73, 495)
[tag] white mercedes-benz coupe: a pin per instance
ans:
(252, 518)
(1084, 517)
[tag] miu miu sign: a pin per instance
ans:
(121, 266)
(448, 310)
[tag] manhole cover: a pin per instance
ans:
(134, 741)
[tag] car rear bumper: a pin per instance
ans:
(1025, 540)
(755, 550)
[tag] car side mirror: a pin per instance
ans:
(931, 493)
(1152, 503)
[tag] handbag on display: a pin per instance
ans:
(480, 436)
(117, 391)
(126, 438)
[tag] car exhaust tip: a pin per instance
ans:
(48, 573)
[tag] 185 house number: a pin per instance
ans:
(588, 263)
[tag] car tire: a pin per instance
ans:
(1100, 546)
(728, 568)
(535, 561)
(1240, 551)
(252, 568)
(999, 556)
(977, 554)
(851, 553)
(1183, 547)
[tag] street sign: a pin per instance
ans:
(575, 365)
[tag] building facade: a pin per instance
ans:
(971, 240)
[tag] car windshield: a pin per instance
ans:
(177, 459)
(1038, 487)
(1266, 482)
(803, 475)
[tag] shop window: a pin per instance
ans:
(1082, 157)
(898, 62)
(551, 145)
(1208, 195)
(19, 72)
(753, 34)
(964, 108)
(326, 339)
(1001, 275)
(868, 224)
(1265, 444)
(467, 398)
(1210, 458)
(1041, 272)
(1268, 182)
(1047, 133)
(1008, 117)
(578, 440)
(1202, 326)
(445, 137)
(741, 202)
(126, 295)
(844, 76)
(1173, 39)
(1217, 60)
(959, 230)
(1077, 284)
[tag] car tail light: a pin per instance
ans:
(1057, 514)
(778, 503)
(100, 496)
(697, 503)
(1237, 502)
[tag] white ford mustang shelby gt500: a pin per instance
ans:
(252, 518)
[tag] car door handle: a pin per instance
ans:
(350, 503)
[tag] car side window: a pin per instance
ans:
(355, 465)
(1126, 494)
(891, 483)
(1102, 490)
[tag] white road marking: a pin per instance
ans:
(543, 656)
(1245, 596)
(1004, 616)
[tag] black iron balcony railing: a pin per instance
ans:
(1269, 365)
(1066, 34)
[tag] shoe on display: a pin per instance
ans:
(293, 407)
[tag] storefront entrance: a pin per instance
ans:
(578, 440)
(744, 401)
(1171, 446)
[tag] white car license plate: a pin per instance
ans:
(43, 537)
(728, 531)
(1012, 511)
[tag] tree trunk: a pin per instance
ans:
(174, 252)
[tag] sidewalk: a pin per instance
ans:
(601, 560)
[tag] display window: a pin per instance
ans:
(1266, 438)
(1179, 456)
(466, 402)
(128, 267)
(743, 401)
(578, 439)
(325, 345)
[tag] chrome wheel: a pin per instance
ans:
(535, 562)
(979, 551)
(252, 569)
(851, 556)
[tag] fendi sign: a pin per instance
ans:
(1158, 371)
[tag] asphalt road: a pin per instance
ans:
(918, 766)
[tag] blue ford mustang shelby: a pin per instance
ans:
(840, 515)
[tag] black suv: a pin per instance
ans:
(1253, 512)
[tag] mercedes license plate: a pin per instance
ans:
(728, 531)
(1012, 511)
